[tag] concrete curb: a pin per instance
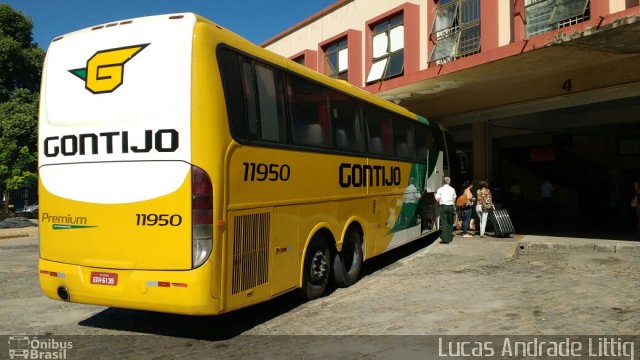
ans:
(13, 236)
(538, 244)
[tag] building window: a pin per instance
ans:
(456, 29)
(336, 60)
(299, 59)
(388, 49)
(548, 15)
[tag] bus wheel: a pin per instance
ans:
(348, 263)
(316, 269)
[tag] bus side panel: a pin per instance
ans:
(267, 176)
(397, 206)
(285, 250)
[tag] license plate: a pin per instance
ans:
(103, 278)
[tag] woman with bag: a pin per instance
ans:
(484, 204)
(466, 202)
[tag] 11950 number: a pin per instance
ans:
(158, 220)
(266, 172)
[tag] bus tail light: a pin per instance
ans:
(201, 216)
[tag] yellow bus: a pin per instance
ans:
(185, 170)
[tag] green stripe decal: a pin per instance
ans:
(411, 206)
(70, 227)
(422, 119)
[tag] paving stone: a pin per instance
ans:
(471, 287)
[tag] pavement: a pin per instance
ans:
(524, 285)
(29, 230)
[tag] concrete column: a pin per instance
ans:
(482, 151)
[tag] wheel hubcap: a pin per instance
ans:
(319, 266)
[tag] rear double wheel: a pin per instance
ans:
(316, 271)
(348, 262)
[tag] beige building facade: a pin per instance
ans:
(531, 89)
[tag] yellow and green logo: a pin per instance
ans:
(105, 69)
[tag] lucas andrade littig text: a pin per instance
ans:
(592, 347)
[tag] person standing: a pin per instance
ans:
(483, 205)
(446, 198)
(467, 208)
(546, 192)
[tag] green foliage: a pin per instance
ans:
(18, 140)
(20, 71)
(15, 25)
(20, 59)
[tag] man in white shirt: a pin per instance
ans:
(446, 197)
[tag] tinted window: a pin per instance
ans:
(404, 138)
(234, 92)
(424, 142)
(250, 98)
(273, 126)
(309, 112)
(347, 120)
(380, 139)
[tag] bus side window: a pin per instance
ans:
(273, 125)
(454, 164)
(345, 113)
(250, 97)
(234, 92)
(380, 131)
(404, 136)
(438, 136)
(424, 141)
(309, 112)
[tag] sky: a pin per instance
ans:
(253, 19)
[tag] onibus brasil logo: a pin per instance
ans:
(105, 69)
(26, 347)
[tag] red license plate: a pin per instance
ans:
(103, 278)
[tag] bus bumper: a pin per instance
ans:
(179, 292)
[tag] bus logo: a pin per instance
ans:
(19, 347)
(25, 347)
(105, 69)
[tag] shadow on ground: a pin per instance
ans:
(227, 326)
(596, 225)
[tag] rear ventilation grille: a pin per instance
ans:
(250, 251)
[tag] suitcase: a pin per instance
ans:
(501, 222)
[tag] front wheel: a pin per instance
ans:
(348, 262)
(316, 271)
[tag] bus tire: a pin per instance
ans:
(348, 262)
(316, 270)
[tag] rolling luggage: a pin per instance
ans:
(501, 222)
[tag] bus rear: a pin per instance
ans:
(125, 216)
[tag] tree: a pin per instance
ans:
(20, 71)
